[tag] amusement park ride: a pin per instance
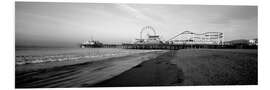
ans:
(186, 39)
(152, 39)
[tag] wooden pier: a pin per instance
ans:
(174, 46)
(168, 46)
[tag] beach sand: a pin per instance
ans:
(192, 67)
(156, 72)
(172, 68)
(218, 66)
(79, 75)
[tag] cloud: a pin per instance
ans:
(134, 12)
(137, 13)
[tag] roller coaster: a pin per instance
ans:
(188, 37)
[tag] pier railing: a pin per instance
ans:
(176, 46)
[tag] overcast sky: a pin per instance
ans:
(67, 24)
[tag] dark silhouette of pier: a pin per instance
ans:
(178, 46)
(186, 39)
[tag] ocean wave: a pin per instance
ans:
(21, 60)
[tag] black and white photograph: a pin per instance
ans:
(93, 45)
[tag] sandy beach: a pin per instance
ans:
(156, 72)
(192, 67)
(134, 44)
(160, 68)
(81, 74)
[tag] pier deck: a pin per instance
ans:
(174, 46)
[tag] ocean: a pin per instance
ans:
(44, 55)
(75, 67)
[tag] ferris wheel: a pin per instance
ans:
(147, 28)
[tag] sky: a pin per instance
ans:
(68, 24)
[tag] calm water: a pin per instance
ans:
(43, 55)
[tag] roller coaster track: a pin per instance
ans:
(206, 34)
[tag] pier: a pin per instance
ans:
(178, 46)
(183, 40)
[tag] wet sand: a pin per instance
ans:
(80, 75)
(156, 72)
(192, 67)
(174, 68)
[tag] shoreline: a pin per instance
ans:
(53, 64)
(81, 74)
(187, 67)
(155, 72)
